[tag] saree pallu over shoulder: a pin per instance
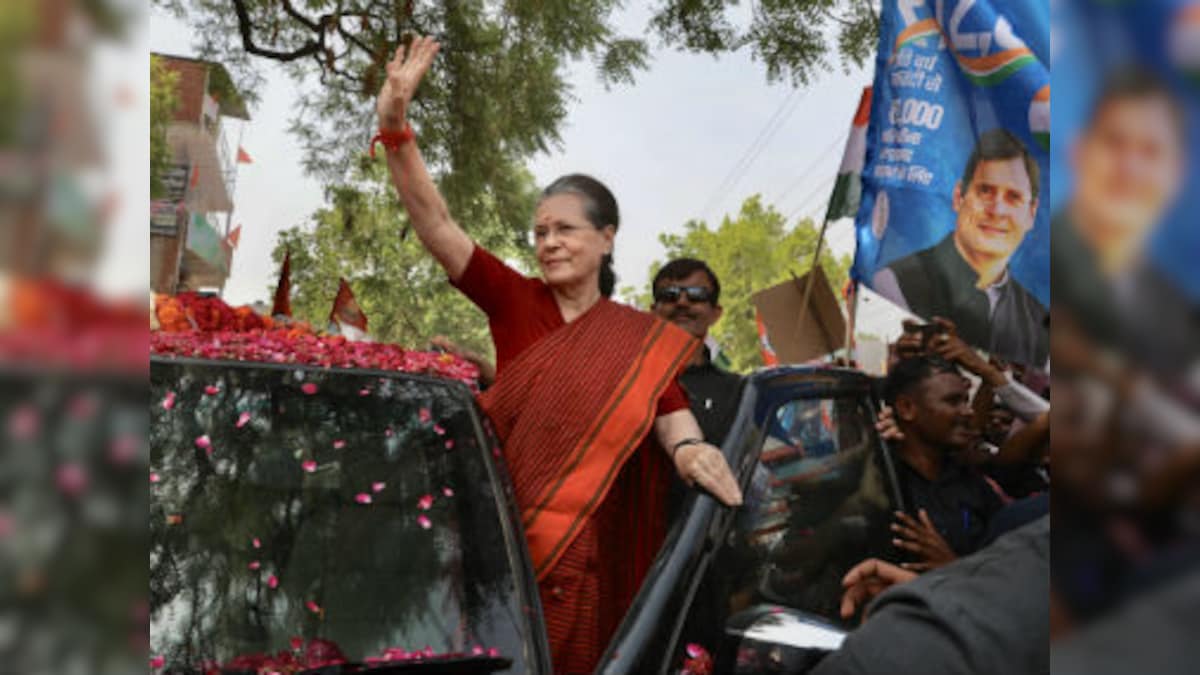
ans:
(572, 409)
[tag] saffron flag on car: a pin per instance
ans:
(847, 191)
(346, 313)
(954, 219)
(283, 303)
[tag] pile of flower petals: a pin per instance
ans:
(284, 345)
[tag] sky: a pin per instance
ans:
(666, 146)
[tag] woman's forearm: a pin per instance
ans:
(675, 427)
(427, 211)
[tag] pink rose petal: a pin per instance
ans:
(211, 390)
(254, 565)
(154, 477)
(272, 581)
(378, 486)
(123, 450)
(694, 650)
(449, 443)
(424, 522)
(425, 415)
(71, 479)
(24, 422)
(425, 502)
(256, 543)
(313, 607)
(297, 643)
(308, 465)
(388, 432)
(308, 388)
(448, 492)
(493, 652)
(168, 402)
(362, 498)
(157, 662)
(364, 392)
(204, 442)
(243, 420)
(339, 444)
(428, 652)
(476, 651)
(437, 429)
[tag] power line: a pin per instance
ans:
(789, 104)
(820, 188)
(837, 142)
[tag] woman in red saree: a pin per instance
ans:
(586, 402)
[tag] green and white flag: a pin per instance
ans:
(847, 191)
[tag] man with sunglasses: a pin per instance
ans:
(687, 293)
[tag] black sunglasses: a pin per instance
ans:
(672, 293)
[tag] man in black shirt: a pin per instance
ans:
(687, 293)
(949, 505)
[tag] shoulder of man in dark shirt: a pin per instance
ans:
(714, 394)
(986, 614)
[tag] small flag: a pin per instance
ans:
(283, 305)
(764, 345)
(243, 157)
(847, 191)
(234, 237)
(195, 177)
(346, 311)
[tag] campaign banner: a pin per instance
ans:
(954, 220)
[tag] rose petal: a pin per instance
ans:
(174, 519)
(154, 478)
(256, 543)
(168, 402)
(694, 650)
(448, 492)
(308, 465)
(71, 479)
(339, 444)
(313, 607)
(388, 432)
(204, 442)
(437, 429)
(243, 420)
(424, 415)
(493, 652)
(212, 390)
(476, 650)
(297, 643)
(362, 498)
(425, 502)
(157, 662)
(309, 388)
(364, 392)
(449, 443)
(272, 581)
(254, 565)
(424, 522)
(378, 486)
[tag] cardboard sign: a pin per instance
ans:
(798, 336)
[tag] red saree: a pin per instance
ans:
(574, 413)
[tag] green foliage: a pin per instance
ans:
(164, 99)
(793, 38)
(748, 253)
(399, 286)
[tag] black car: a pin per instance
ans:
(328, 520)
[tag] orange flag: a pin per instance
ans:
(195, 177)
(283, 304)
(235, 236)
(346, 311)
(243, 156)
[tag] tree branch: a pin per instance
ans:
(245, 26)
(292, 12)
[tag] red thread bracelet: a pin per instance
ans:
(392, 140)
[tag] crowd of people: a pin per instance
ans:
(970, 586)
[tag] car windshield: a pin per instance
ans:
(321, 516)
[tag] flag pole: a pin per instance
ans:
(852, 310)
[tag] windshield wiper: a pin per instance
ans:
(466, 665)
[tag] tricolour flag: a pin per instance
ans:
(346, 312)
(847, 191)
